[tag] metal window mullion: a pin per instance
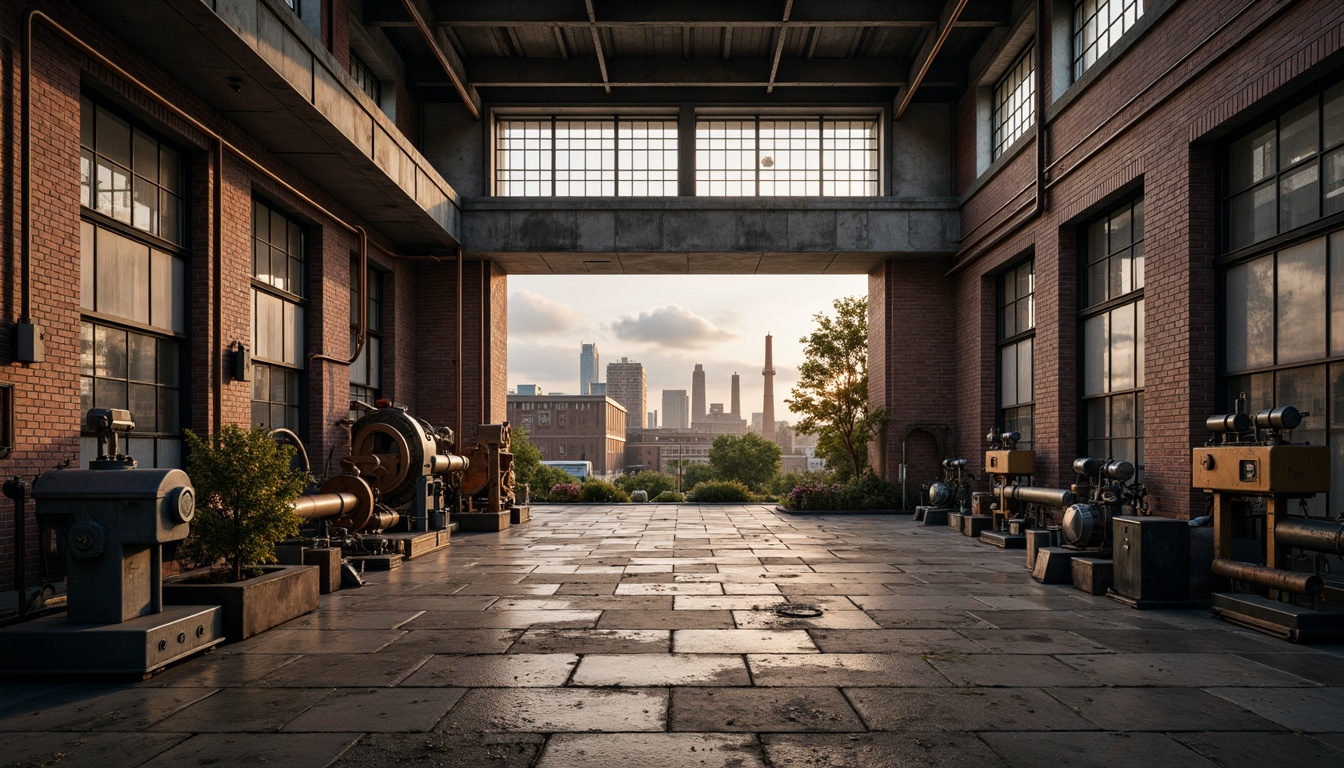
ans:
(616, 159)
(553, 158)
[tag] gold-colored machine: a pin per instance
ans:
(1251, 464)
(1006, 465)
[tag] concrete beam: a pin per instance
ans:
(707, 13)
(637, 73)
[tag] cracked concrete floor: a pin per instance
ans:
(634, 635)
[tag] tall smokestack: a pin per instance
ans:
(698, 394)
(768, 407)
(737, 397)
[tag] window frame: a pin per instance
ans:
(704, 184)
(371, 355)
(264, 367)
(1008, 416)
(1106, 399)
(547, 175)
(1025, 109)
(1078, 26)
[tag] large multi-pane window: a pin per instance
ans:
(366, 373)
(577, 157)
(1283, 303)
(1015, 101)
(278, 327)
(1098, 25)
(1112, 334)
(786, 157)
(1287, 171)
(1017, 333)
(365, 78)
(133, 282)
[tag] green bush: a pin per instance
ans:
(668, 497)
(602, 491)
(546, 477)
(648, 481)
(695, 474)
(867, 493)
(721, 491)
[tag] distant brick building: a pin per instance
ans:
(573, 428)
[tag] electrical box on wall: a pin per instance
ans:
(28, 346)
(242, 364)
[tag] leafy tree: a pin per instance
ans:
(693, 474)
(545, 477)
(244, 491)
(526, 456)
(832, 389)
(749, 459)
(653, 483)
(832, 449)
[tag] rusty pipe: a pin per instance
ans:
(1049, 497)
(1298, 583)
(1312, 535)
(362, 313)
(323, 505)
(444, 463)
(928, 62)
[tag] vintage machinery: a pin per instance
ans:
(1006, 465)
(1252, 463)
(1106, 487)
(395, 487)
(487, 485)
(114, 521)
(948, 496)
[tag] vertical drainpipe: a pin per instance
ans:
(457, 364)
(481, 361)
(217, 287)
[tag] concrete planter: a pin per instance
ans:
(253, 605)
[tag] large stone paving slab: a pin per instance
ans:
(664, 750)
(878, 750)
(762, 710)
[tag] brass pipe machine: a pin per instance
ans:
(1104, 488)
(1250, 464)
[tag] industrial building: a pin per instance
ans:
(574, 428)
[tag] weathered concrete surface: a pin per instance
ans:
(633, 635)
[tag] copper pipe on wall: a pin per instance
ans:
(457, 362)
(217, 289)
(480, 378)
(31, 15)
(362, 313)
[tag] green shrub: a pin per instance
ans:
(648, 481)
(244, 487)
(564, 493)
(546, 477)
(668, 497)
(867, 493)
(721, 491)
(695, 474)
(602, 491)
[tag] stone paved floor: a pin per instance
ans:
(632, 636)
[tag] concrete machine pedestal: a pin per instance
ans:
(114, 520)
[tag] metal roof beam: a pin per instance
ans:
(927, 53)
(781, 35)
(706, 13)
(625, 73)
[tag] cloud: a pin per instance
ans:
(531, 314)
(670, 326)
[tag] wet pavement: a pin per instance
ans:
(648, 635)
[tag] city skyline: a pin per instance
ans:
(670, 324)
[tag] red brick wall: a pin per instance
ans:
(1143, 127)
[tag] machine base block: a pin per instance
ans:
(414, 544)
(1093, 575)
(1053, 566)
(492, 522)
(376, 562)
(519, 515)
(1290, 622)
(52, 645)
(954, 520)
(1004, 540)
(931, 515)
(974, 525)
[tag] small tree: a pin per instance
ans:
(546, 477)
(693, 474)
(244, 491)
(526, 457)
(749, 459)
(832, 389)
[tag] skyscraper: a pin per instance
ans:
(588, 370)
(736, 402)
(676, 409)
(768, 407)
(698, 393)
(628, 385)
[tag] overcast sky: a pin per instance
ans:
(669, 323)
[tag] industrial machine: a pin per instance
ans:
(949, 496)
(488, 485)
(1105, 487)
(113, 522)
(1253, 471)
(1006, 465)
(394, 491)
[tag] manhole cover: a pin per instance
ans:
(798, 611)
